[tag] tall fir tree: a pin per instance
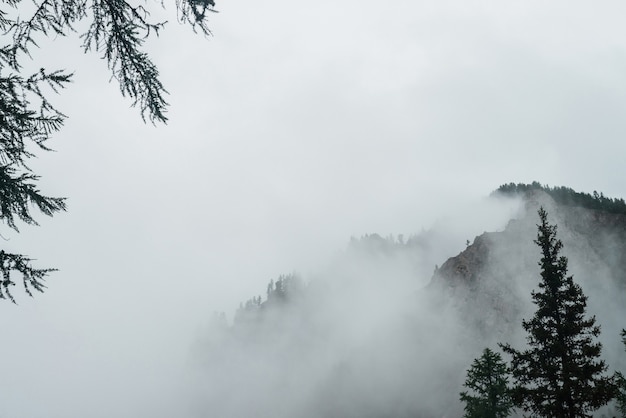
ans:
(487, 381)
(560, 374)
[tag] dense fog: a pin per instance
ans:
(384, 327)
(346, 145)
(363, 336)
(370, 336)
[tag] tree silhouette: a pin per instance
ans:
(487, 380)
(621, 384)
(560, 374)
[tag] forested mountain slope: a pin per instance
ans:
(500, 268)
(366, 338)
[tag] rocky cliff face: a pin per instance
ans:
(491, 280)
(365, 339)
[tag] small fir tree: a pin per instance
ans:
(560, 374)
(487, 380)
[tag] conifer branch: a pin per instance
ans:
(32, 278)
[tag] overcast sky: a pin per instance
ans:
(296, 126)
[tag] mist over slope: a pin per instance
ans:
(378, 334)
(500, 268)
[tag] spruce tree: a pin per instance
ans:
(560, 374)
(487, 380)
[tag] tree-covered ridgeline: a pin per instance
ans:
(279, 291)
(567, 196)
(288, 313)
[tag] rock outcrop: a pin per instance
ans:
(490, 282)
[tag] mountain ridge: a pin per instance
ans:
(364, 340)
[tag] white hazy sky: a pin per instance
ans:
(297, 125)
